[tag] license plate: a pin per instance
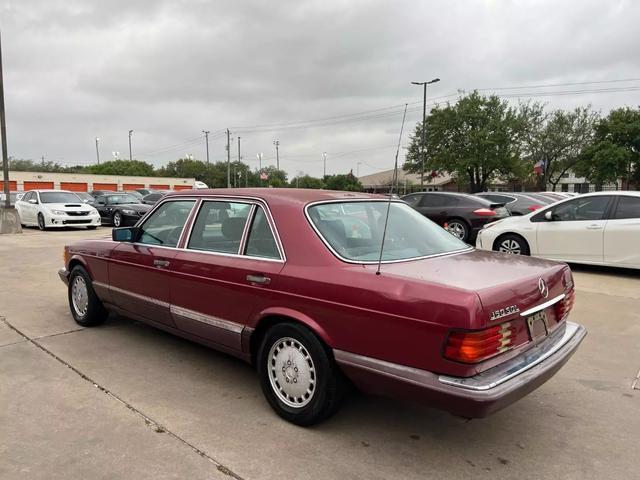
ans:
(537, 324)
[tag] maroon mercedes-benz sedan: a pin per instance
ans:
(312, 288)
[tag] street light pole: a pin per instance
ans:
(424, 127)
(97, 150)
(228, 158)
(3, 133)
(206, 138)
(324, 165)
(130, 156)
(277, 144)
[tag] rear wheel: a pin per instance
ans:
(117, 219)
(41, 223)
(458, 228)
(512, 244)
(298, 377)
(86, 307)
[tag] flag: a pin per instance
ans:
(538, 168)
(264, 175)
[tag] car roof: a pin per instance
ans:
(300, 196)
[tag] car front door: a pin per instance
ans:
(228, 270)
(435, 207)
(576, 230)
(100, 204)
(26, 208)
(622, 233)
(140, 271)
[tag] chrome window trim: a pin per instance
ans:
(208, 319)
(242, 199)
(250, 225)
(145, 218)
(245, 230)
(542, 306)
(369, 262)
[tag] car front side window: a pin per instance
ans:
(586, 208)
(219, 227)
(165, 224)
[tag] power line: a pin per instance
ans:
(559, 84)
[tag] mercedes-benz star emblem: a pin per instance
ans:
(544, 290)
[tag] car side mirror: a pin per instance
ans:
(125, 234)
(33, 201)
(549, 215)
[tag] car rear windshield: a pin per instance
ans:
(59, 197)
(122, 199)
(354, 231)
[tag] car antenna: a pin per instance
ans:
(394, 180)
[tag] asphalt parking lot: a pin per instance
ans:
(127, 401)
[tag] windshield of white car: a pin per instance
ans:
(354, 231)
(59, 197)
(121, 199)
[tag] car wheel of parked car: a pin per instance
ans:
(86, 307)
(512, 243)
(41, 224)
(117, 219)
(458, 228)
(298, 376)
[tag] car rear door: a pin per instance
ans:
(577, 231)
(228, 270)
(622, 233)
(140, 272)
(435, 207)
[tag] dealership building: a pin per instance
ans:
(82, 182)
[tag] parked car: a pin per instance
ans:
(517, 203)
(600, 228)
(135, 193)
(290, 281)
(13, 197)
(145, 191)
(153, 198)
(55, 209)
(120, 209)
(99, 193)
(461, 214)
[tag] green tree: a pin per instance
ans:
(557, 140)
(22, 165)
(476, 139)
(615, 150)
(306, 181)
(135, 168)
(347, 182)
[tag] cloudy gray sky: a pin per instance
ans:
(316, 75)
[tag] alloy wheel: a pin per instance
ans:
(510, 246)
(79, 296)
(117, 219)
(457, 229)
(292, 373)
(41, 224)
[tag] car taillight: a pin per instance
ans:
(476, 346)
(533, 208)
(564, 306)
(485, 212)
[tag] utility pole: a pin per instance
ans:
(324, 168)
(277, 144)
(228, 158)
(239, 156)
(3, 133)
(43, 160)
(424, 127)
(130, 156)
(259, 155)
(206, 139)
(97, 150)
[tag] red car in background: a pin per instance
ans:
(289, 280)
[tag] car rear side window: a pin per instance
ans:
(219, 227)
(165, 224)
(628, 207)
(260, 242)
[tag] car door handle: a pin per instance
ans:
(161, 263)
(595, 227)
(258, 279)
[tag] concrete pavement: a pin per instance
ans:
(127, 401)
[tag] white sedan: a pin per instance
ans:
(601, 228)
(55, 208)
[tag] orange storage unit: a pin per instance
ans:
(132, 186)
(37, 185)
(13, 185)
(182, 187)
(73, 186)
(159, 187)
(105, 186)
